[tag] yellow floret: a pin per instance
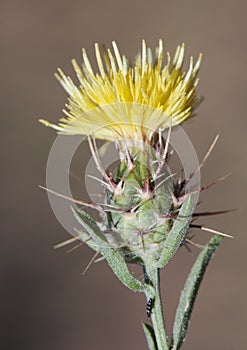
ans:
(121, 101)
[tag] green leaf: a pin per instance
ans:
(150, 336)
(176, 235)
(86, 239)
(114, 259)
(190, 290)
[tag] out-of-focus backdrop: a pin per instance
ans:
(45, 302)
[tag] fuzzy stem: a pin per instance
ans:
(153, 275)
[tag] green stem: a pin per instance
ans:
(157, 316)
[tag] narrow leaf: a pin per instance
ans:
(150, 336)
(190, 290)
(176, 235)
(114, 259)
(86, 239)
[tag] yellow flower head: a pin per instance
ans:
(123, 101)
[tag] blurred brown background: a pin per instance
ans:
(45, 302)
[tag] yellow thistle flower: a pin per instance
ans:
(122, 101)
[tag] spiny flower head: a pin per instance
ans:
(123, 101)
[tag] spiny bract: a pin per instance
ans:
(142, 203)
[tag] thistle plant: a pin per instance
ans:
(147, 213)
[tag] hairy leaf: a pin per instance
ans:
(114, 259)
(177, 233)
(189, 292)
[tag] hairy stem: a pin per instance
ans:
(153, 276)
